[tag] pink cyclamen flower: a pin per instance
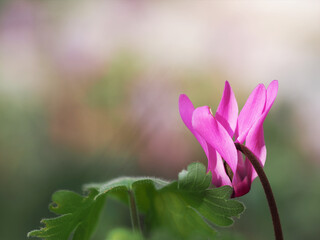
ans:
(216, 133)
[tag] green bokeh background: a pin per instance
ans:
(70, 125)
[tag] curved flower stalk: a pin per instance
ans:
(215, 134)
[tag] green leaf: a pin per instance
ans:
(78, 214)
(195, 178)
(192, 208)
(186, 209)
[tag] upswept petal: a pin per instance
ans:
(227, 112)
(255, 142)
(272, 92)
(186, 109)
(215, 165)
(251, 112)
(215, 135)
(255, 139)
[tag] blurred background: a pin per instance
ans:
(89, 91)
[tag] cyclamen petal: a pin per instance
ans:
(255, 139)
(255, 142)
(215, 135)
(242, 187)
(272, 92)
(227, 112)
(251, 112)
(242, 181)
(215, 165)
(186, 109)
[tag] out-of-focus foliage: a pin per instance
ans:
(123, 234)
